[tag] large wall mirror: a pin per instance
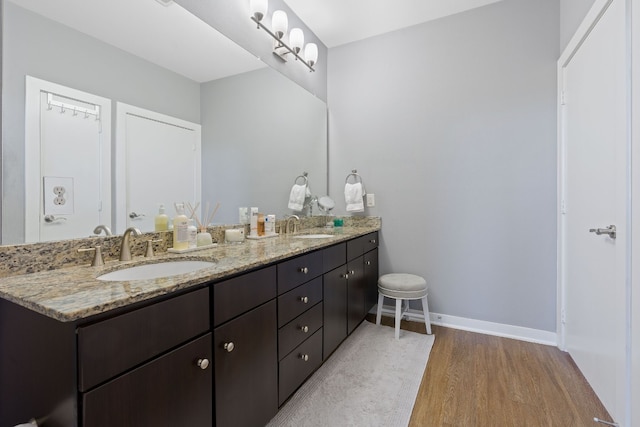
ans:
(259, 129)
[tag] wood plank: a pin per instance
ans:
(473, 379)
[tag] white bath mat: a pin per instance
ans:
(371, 380)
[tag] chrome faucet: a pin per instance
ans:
(125, 249)
(286, 226)
(101, 228)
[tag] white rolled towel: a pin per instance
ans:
(353, 197)
(296, 197)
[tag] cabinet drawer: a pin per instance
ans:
(298, 270)
(171, 390)
(334, 257)
(362, 244)
(241, 294)
(370, 242)
(299, 300)
(299, 329)
(298, 365)
(110, 347)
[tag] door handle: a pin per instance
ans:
(610, 230)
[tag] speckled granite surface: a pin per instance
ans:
(69, 294)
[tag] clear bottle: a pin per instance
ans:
(180, 229)
(161, 220)
(193, 234)
(253, 225)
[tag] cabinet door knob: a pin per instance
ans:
(229, 346)
(203, 363)
(368, 262)
(304, 329)
(345, 276)
(304, 299)
(304, 357)
(352, 272)
(304, 270)
(372, 241)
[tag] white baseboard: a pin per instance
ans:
(480, 326)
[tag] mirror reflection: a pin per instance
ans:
(259, 130)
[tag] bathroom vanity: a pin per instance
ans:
(225, 345)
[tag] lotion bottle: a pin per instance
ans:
(180, 229)
(161, 220)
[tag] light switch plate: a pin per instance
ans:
(371, 200)
(58, 195)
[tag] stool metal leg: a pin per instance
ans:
(398, 316)
(425, 311)
(380, 303)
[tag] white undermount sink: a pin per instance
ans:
(313, 236)
(155, 271)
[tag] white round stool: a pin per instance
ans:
(402, 286)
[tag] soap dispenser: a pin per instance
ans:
(161, 220)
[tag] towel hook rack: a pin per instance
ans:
(304, 176)
(357, 179)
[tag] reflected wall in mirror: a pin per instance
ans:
(260, 131)
(247, 152)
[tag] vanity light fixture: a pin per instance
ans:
(279, 27)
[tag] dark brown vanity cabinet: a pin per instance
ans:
(147, 366)
(350, 287)
(362, 256)
(174, 389)
(245, 349)
(371, 274)
(228, 353)
(299, 321)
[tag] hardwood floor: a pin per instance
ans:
(481, 380)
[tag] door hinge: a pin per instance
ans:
(563, 98)
(99, 205)
(563, 207)
(563, 316)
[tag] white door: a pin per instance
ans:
(68, 158)
(594, 187)
(158, 162)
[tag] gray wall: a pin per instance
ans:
(232, 18)
(259, 131)
(452, 125)
(44, 49)
(572, 12)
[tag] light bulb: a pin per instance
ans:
(296, 39)
(279, 23)
(311, 53)
(258, 8)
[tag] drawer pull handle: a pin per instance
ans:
(304, 299)
(304, 270)
(229, 346)
(304, 329)
(304, 357)
(372, 241)
(203, 363)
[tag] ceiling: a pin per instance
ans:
(175, 39)
(172, 37)
(337, 22)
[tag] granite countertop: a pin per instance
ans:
(74, 293)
